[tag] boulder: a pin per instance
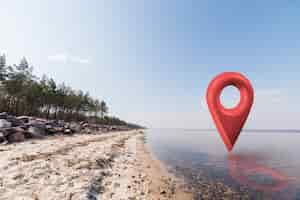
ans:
(7, 131)
(85, 125)
(58, 129)
(14, 121)
(3, 115)
(2, 137)
(68, 131)
(37, 124)
(61, 123)
(36, 132)
(54, 129)
(48, 126)
(53, 123)
(75, 127)
(18, 129)
(36, 119)
(16, 137)
(66, 125)
(4, 123)
(24, 119)
(87, 131)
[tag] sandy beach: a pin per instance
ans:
(86, 166)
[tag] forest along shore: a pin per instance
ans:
(116, 165)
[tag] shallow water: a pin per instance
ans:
(263, 165)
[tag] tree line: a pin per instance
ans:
(22, 93)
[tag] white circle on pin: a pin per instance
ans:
(230, 97)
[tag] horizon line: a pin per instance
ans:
(243, 130)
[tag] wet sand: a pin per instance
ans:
(96, 166)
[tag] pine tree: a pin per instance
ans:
(2, 67)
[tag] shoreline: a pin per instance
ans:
(115, 165)
(137, 174)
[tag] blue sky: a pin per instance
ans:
(152, 60)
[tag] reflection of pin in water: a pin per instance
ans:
(242, 168)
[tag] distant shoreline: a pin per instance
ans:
(244, 130)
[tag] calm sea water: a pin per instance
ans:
(265, 165)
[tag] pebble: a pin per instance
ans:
(117, 185)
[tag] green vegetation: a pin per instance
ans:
(22, 93)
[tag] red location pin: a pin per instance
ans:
(229, 122)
